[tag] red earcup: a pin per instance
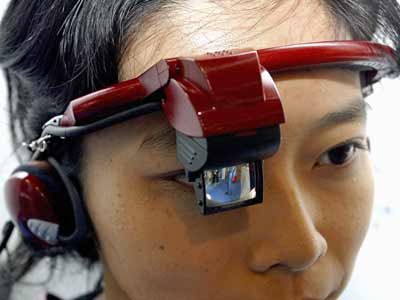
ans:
(45, 205)
(30, 195)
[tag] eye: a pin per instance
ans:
(343, 154)
(181, 178)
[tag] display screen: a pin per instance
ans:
(230, 185)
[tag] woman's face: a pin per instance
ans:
(302, 241)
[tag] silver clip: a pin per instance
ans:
(38, 145)
(41, 144)
(55, 121)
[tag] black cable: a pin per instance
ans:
(75, 131)
(93, 294)
(89, 296)
(81, 227)
(52, 297)
(7, 231)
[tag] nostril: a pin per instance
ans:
(275, 266)
(260, 269)
(264, 267)
(307, 265)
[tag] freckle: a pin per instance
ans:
(162, 247)
(168, 213)
(119, 195)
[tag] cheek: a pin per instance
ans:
(152, 234)
(346, 212)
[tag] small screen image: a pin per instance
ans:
(230, 184)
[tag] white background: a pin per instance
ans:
(376, 272)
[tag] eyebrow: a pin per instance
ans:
(163, 139)
(352, 112)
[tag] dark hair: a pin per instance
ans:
(53, 51)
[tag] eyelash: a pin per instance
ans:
(354, 145)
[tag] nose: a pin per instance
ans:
(284, 231)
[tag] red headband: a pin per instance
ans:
(223, 92)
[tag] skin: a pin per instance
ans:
(300, 243)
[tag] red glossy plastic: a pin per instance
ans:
(27, 197)
(229, 91)
(99, 104)
(110, 100)
(208, 96)
(329, 54)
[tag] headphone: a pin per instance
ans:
(45, 205)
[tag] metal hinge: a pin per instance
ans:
(40, 144)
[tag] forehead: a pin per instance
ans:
(195, 27)
(200, 26)
(308, 97)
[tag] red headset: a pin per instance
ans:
(45, 203)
